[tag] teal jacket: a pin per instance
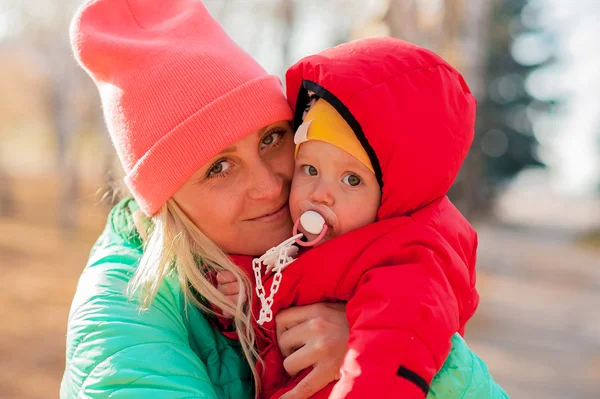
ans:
(170, 352)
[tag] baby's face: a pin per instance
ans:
(335, 184)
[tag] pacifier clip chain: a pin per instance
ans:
(276, 259)
(279, 257)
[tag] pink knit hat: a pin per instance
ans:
(175, 89)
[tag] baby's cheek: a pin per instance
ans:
(356, 221)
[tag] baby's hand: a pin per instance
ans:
(228, 285)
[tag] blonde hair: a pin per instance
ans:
(173, 243)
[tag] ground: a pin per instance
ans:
(537, 326)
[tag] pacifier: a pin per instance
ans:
(313, 223)
(278, 258)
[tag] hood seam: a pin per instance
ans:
(435, 66)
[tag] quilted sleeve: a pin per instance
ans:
(402, 318)
(115, 351)
(464, 375)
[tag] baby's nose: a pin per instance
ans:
(322, 195)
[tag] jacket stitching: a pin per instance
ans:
(470, 379)
(420, 68)
(81, 388)
(157, 375)
(83, 339)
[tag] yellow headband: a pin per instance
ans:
(323, 123)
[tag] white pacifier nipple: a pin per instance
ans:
(312, 222)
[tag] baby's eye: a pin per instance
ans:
(310, 170)
(352, 180)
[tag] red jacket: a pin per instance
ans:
(409, 278)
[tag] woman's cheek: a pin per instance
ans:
(294, 199)
(219, 205)
(288, 155)
(230, 202)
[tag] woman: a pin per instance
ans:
(176, 90)
(201, 131)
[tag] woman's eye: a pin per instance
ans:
(271, 139)
(219, 167)
(352, 180)
(268, 140)
(310, 170)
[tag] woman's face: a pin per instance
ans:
(239, 199)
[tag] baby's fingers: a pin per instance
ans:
(224, 277)
(229, 288)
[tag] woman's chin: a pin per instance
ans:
(274, 237)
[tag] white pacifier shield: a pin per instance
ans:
(312, 222)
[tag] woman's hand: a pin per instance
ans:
(312, 335)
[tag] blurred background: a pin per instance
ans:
(531, 184)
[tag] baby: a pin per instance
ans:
(383, 128)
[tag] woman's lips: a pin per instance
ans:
(270, 217)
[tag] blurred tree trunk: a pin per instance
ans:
(64, 130)
(7, 204)
(288, 13)
(471, 193)
(112, 190)
(402, 17)
(64, 81)
(46, 33)
(460, 37)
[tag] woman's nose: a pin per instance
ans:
(265, 183)
(322, 194)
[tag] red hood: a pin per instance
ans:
(412, 111)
